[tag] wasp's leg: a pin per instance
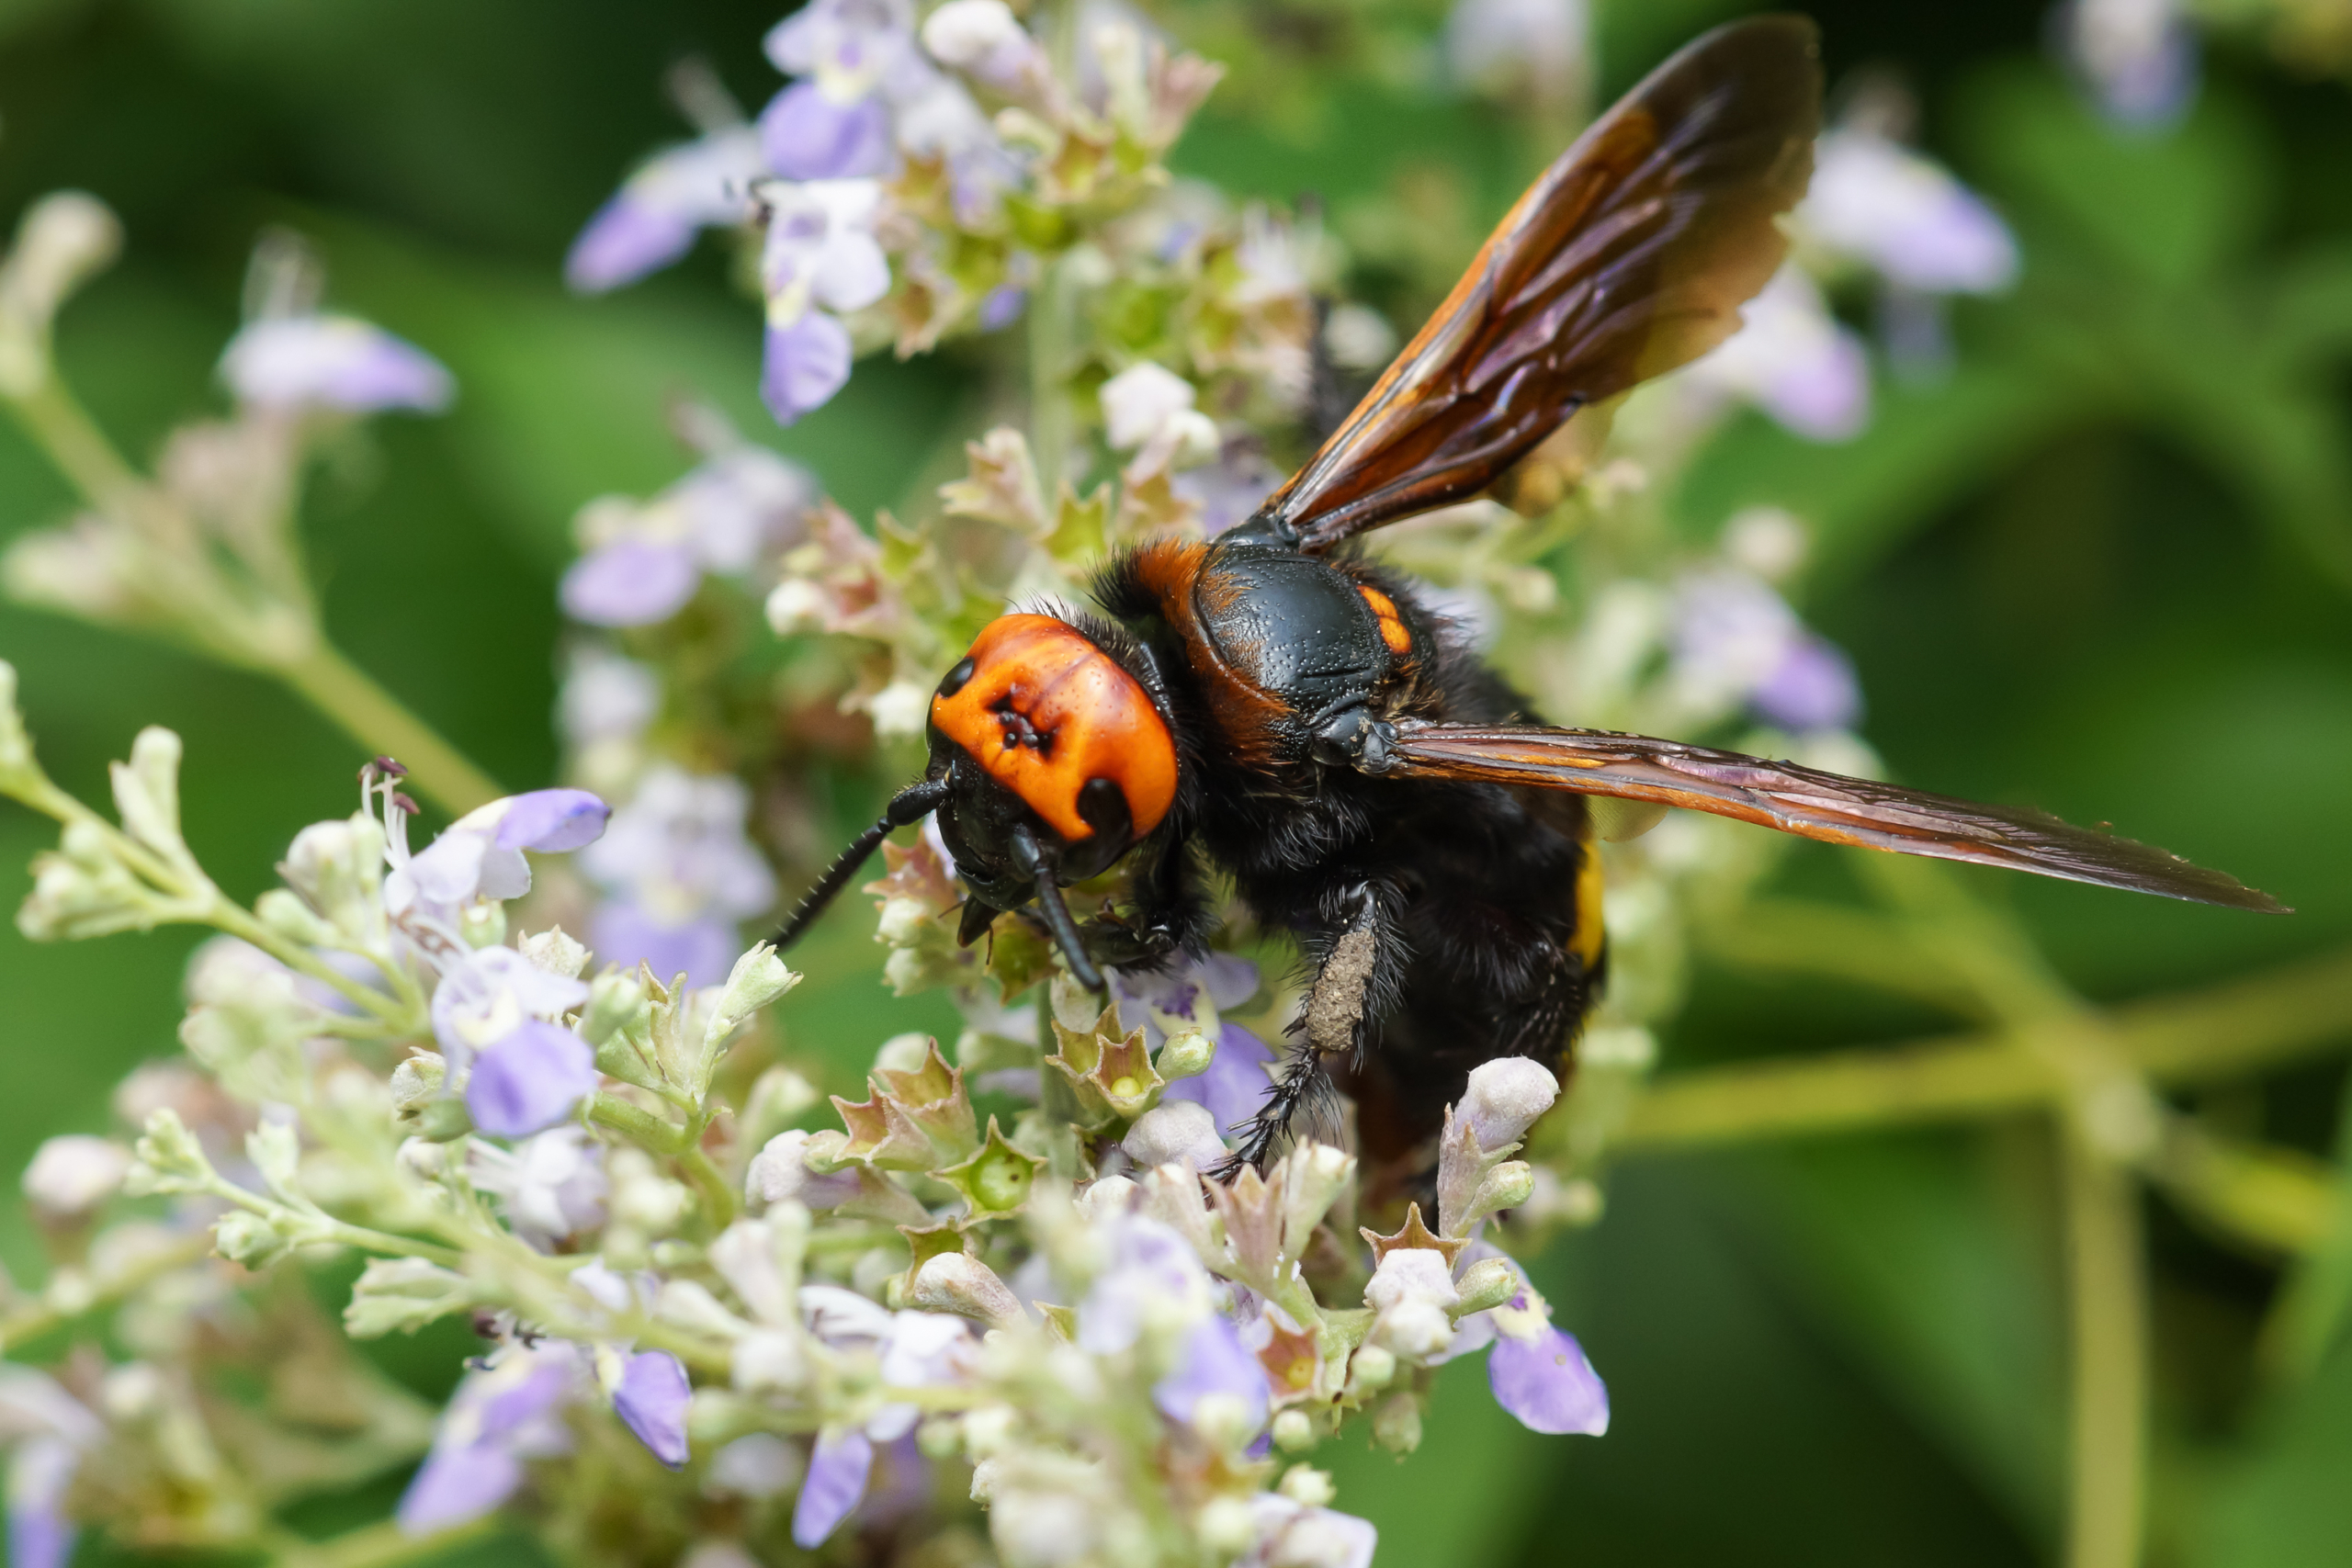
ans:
(1355, 986)
(1171, 914)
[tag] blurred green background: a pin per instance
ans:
(2105, 567)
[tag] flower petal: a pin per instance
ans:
(629, 238)
(1212, 1363)
(630, 583)
(652, 1400)
(1548, 1385)
(457, 1485)
(530, 1079)
(549, 821)
(806, 363)
(804, 135)
(836, 1479)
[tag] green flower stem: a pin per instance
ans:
(381, 1545)
(280, 637)
(373, 716)
(2227, 1032)
(637, 1125)
(197, 902)
(322, 1226)
(55, 419)
(717, 1193)
(2109, 1308)
(30, 1321)
(1049, 354)
(2308, 1318)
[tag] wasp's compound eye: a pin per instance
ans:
(956, 678)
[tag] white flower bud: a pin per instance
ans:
(780, 1173)
(1308, 1487)
(1225, 1525)
(795, 605)
(1294, 1432)
(768, 1358)
(1186, 1055)
(1371, 1367)
(64, 240)
(1140, 399)
(1412, 1293)
(898, 710)
(1172, 1134)
(967, 1287)
(554, 952)
(901, 922)
(972, 33)
(71, 1175)
(1504, 1099)
(690, 1306)
(1488, 1282)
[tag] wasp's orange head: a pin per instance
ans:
(1038, 714)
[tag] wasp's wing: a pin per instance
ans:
(1808, 802)
(1631, 255)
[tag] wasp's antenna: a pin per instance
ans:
(910, 805)
(1058, 920)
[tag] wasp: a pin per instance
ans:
(1275, 705)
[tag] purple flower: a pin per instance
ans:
(652, 219)
(1813, 687)
(1152, 1271)
(1905, 217)
(2137, 57)
(1505, 44)
(702, 949)
(39, 1534)
(1235, 1086)
(1213, 1363)
(529, 1080)
(1736, 641)
(643, 563)
(480, 854)
(551, 1186)
(651, 1401)
(630, 583)
(482, 1000)
(680, 872)
(802, 364)
(1290, 1535)
(1003, 307)
(508, 1412)
(806, 134)
(1230, 489)
(606, 697)
(1546, 1382)
(331, 362)
(836, 1479)
(1792, 359)
(850, 45)
(820, 257)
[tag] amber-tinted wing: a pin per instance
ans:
(1808, 802)
(1630, 256)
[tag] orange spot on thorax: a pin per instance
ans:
(1393, 629)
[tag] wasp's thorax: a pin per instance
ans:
(1052, 751)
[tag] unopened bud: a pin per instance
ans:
(1172, 1134)
(956, 1282)
(70, 1176)
(1186, 1055)
(244, 1236)
(63, 241)
(1294, 1432)
(1488, 1282)
(1308, 1487)
(1371, 1368)
(901, 922)
(1227, 1526)
(556, 952)
(1504, 1097)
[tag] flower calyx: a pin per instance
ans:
(1109, 1074)
(915, 1119)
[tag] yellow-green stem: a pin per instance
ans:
(2227, 1032)
(382, 1545)
(2108, 1302)
(374, 717)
